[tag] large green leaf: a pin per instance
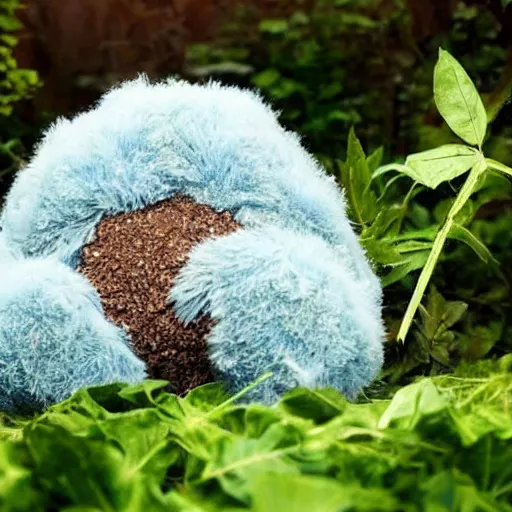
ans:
(237, 461)
(17, 483)
(411, 403)
(433, 167)
(458, 101)
(306, 493)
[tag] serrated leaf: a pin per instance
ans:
(458, 101)
(386, 223)
(435, 166)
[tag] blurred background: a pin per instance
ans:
(327, 65)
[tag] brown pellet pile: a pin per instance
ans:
(132, 264)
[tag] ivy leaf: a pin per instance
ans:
(458, 101)
(435, 166)
(440, 315)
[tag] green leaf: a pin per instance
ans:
(463, 234)
(317, 405)
(476, 341)
(266, 78)
(436, 319)
(237, 461)
(413, 261)
(382, 252)
(458, 101)
(433, 167)
(305, 493)
(276, 26)
(357, 20)
(143, 394)
(356, 180)
(440, 314)
(497, 166)
(18, 489)
(441, 443)
(411, 403)
(375, 159)
(206, 397)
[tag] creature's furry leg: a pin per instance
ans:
(54, 337)
(284, 302)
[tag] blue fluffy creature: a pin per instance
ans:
(291, 291)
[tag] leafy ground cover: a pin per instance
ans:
(401, 236)
(439, 444)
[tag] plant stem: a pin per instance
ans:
(238, 395)
(442, 235)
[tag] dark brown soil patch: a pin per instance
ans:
(132, 264)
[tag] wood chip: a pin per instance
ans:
(132, 263)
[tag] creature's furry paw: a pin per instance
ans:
(284, 302)
(54, 337)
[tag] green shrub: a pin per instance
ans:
(329, 65)
(439, 444)
(16, 84)
(401, 238)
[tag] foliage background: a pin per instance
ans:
(328, 66)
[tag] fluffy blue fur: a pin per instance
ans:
(297, 261)
(143, 143)
(283, 303)
(54, 337)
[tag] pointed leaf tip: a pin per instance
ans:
(458, 100)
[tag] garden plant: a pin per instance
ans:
(433, 431)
